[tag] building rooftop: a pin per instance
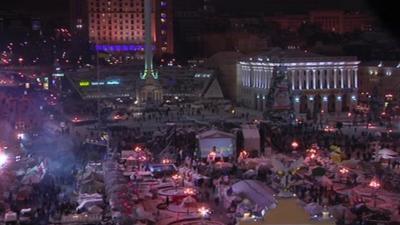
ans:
(277, 55)
(122, 81)
(381, 63)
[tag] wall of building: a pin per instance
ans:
(121, 22)
(382, 76)
(329, 20)
(317, 86)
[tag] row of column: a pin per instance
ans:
(257, 77)
(323, 78)
(339, 100)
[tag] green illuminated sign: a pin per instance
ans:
(84, 83)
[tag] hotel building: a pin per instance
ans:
(118, 25)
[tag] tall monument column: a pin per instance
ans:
(151, 90)
(148, 42)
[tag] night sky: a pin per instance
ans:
(384, 9)
(235, 5)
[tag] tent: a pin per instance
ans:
(189, 202)
(251, 137)
(313, 208)
(94, 209)
(325, 181)
(142, 214)
(386, 153)
(213, 90)
(318, 171)
(256, 192)
(35, 174)
(225, 143)
(288, 211)
(352, 163)
(91, 186)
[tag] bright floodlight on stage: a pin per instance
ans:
(20, 136)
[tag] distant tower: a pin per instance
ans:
(151, 91)
(148, 42)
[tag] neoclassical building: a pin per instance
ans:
(319, 84)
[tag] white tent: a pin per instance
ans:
(94, 209)
(142, 214)
(188, 202)
(225, 143)
(251, 138)
(313, 208)
(258, 193)
(386, 153)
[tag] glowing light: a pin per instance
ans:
(113, 82)
(243, 154)
(189, 191)
(166, 161)
(20, 136)
(96, 83)
(76, 120)
(3, 159)
(203, 211)
(374, 184)
(142, 158)
(84, 83)
(176, 177)
(343, 170)
(212, 156)
(295, 144)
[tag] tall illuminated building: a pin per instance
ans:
(118, 25)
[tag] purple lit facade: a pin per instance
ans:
(120, 48)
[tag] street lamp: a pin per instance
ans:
(295, 145)
(212, 157)
(344, 171)
(166, 161)
(189, 191)
(313, 152)
(374, 184)
(20, 136)
(243, 155)
(138, 149)
(203, 211)
(176, 178)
